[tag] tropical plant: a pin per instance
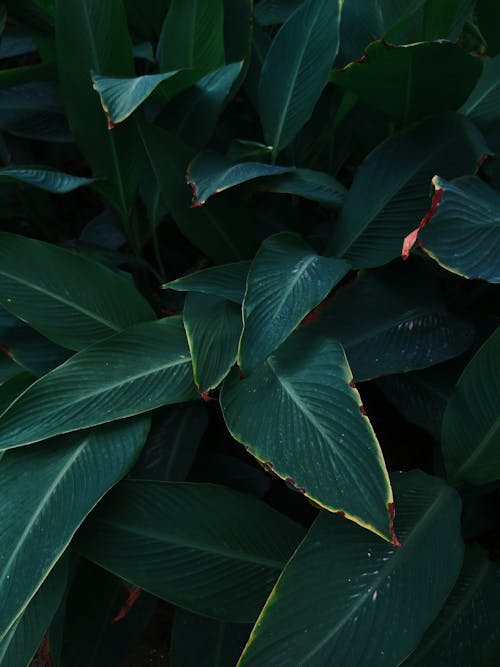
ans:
(249, 258)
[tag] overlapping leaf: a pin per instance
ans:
(227, 281)
(142, 368)
(68, 298)
(483, 104)
(390, 191)
(47, 492)
(213, 328)
(286, 280)
(202, 547)
(296, 68)
(464, 234)
(311, 429)
(344, 595)
(471, 424)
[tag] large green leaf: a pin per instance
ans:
(43, 178)
(346, 598)
(210, 173)
(68, 298)
(390, 191)
(227, 281)
(146, 17)
(13, 386)
(467, 630)
(212, 228)
(22, 640)
(202, 547)
(142, 368)
(47, 492)
(286, 280)
(411, 82)
(471, 425)
(300, 415)
(296, 68)
(307, 183)
(92, 36)
(483, 104)
(192, 38)
(272, 12)
(197, 640)
(213, 329)
(391, 321)
(463, 235)
(445, 19)
(121, 97)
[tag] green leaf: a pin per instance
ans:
(45, 179)
(299, 415)
(488, 17)
(12, 387)
(192, 37)
(47, 492)
(466, 632)
(92, 36)
(445, 19)
(69, 299)
(309, 184)
(286, 280)
(21, 642)
(91, 638)
(227, 281)
(137, 370)
(272, 12)
(390, 191)
(471, 424)
(391, 321)
(411, 82)
(483, 104)
(296, 68)
(146, 17)
(121, 97)
(213, 329)
(463, 235)
(180, 541)
(212, 227)
(344, 596)
(197, 640)
(209, 174)
(193, 114)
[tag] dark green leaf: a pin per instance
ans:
(121, 97)
(202, 547)
(309, 184)
(227, 281)
(299, 414)
(344, 596)
(464, 234)
(488, 15)
(45, 179)
(471, 424)
(21, 642)
(92, 36)
(411, 82)
(213, 328)
(466, 632)
(210, 173)
(445, 19)
(296, 69)
(47, 492)
(272, 12)
(286, 280)
(197, 640)
(483, 104)
(68, 298)
(390, 192)
(12, 387)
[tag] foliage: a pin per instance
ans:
(221, 384)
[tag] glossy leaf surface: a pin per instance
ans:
(47, 492)
(51, 181)
(69, 299)
(311, 430)
(296, 68)
(344, 595)
(179, 541)
(471, 425)
(464, 234)
(227, 281)
(213, 328)
(140, 369)
(286, 280)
